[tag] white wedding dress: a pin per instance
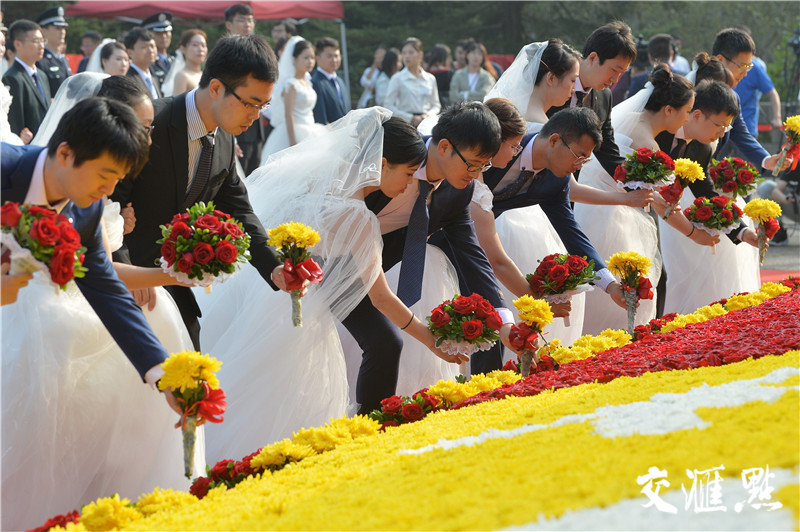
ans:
(696, 276)
(78, 422)
(280, 378)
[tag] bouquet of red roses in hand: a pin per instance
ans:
(534, 314)
(293, 242)
(632, 269)
(791, 129)
(686, 171)
(203, 245)
(734, 176)
(559, 277)
(465, 325)
(764, 212)
(716, 216)
(396, 410)
(192, 380)
(41, 239)
(645, 168)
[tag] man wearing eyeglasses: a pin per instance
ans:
(192, 159)
(27, 84)
(735, 48)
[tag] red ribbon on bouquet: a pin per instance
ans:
(793, 152)
(296, 274)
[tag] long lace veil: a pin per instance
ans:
(73, 90)
(626, 114)
(517, 82)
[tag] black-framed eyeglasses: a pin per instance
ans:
(742, 68)
(579, 160)
(723, 127)
(149, 129)
(470, 167)
(247, 105)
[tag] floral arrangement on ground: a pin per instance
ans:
(634, 435)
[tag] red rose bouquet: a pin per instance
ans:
(645, 168)
(686, 171)
(41, 239)
(716, 216)
(791, 129)
(194, 384)
(734, 176)
(396, 410)
(534, 314)
(465, 325)
(764, 212)
(632, 269)
(559, 277)
(293, 242)
(203, 246)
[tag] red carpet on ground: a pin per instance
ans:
(776, 276)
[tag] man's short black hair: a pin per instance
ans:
(611, 40)
(469, 126)
(326, 42)
(123, 136)
(731, 42)
(714, 97)
(93, 35)
(659, 47)
(288, 25)
(137, 34)
(236, 57)
(17, 31)
(572, 124)
(237, 9)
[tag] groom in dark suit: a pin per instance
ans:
(141, 45)
(192, 159)
(463, 142)
(332, 96)
(27, 84)
(71, 176)
(607, 54)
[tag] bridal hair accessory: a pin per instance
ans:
(191, 378)
(632, 269)
(764, 212)
(293, 241)
(39, 239)
(534, 314)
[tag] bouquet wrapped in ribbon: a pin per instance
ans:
(559, 277)
(734, 176)
(193, 382)
(791, 129)
(716, 216)
(645, 168)
(632, 269)
(203, 246)
(465, 324)
(293, 242)
(39, 239)
(764, 212)
(686, 171)
(534, 314)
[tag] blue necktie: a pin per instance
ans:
(39, 87)
(151, 87)
(337, 89)
(409, 286)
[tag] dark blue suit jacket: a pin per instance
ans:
(744, 141)
(551, 193)
(107, 295)
(329, 108)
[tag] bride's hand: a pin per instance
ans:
(455, 359)
(639, 198)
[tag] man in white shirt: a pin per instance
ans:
(27, 84)
(332, 96)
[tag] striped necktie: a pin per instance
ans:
(203, 172)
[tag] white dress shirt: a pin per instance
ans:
(409, 94)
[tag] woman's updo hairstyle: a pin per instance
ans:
(558, 58)
(668, 89)
(711, 68)
(402, 143)
(300, 47)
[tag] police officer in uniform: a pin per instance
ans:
(54, 30)
(160, 25)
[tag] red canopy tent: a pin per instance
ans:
(215, 9)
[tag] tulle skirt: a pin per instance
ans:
(78, 422)
(527, 237)
(696, 276)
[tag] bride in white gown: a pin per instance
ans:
(292, 108)
(78, 423)
(280, 378)
(663, 105)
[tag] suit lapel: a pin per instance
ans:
(32, 85)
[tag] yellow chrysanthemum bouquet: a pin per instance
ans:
(764, 212)
(792, 147)
(686, 171)
(191, 378)
(293, 241)
(632, 269)
(534, 314)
